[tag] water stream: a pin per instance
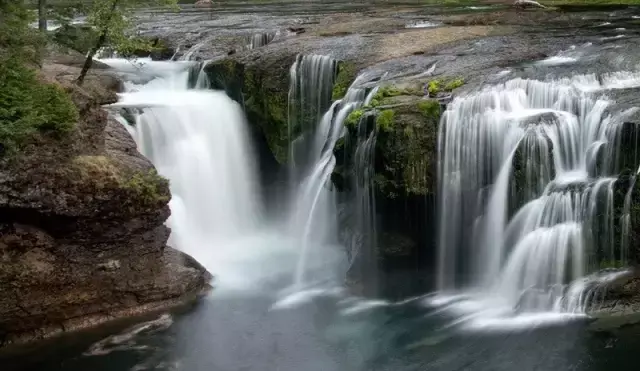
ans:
(527, 174)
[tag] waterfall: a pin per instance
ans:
(315, 126)
(527, 174)
(363, 245)
(260, 39)
(199, 140)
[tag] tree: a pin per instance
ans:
(29, 107)
(42, 15)
(113, 19)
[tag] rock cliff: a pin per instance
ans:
(82, 234)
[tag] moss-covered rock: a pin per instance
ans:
(263, 91)
(443, 84)
(385, 121)
(353, 118)
(347, 72)
(407, 149)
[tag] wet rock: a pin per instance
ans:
(296, 30)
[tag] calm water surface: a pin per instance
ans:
(329, 333)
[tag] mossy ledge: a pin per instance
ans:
(347, 72)
(406, 144)
(263, 92)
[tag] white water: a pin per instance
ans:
(198, 139)
(526, 207)
(314, 213)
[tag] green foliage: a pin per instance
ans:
(453, 84)
(448, 84)
(149, 187)
(354, 118)
(346, 75)
(434, 87)
(610, 264)
(17, 39)
(77, 37)
(390, 92)
(28, 107)
(384, 120)
(429, 108)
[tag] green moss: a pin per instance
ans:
(434, 87)
(429, 108)
(145, 186)
(443, 85)
(97, 169)
(453, 84)
(264, 94)
(385, 92)
(29, 107)
(148, 187)
(354, 118)
(345, 77)
(384, 120)
(611, 264)
(374, 103)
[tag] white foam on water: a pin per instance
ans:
(557, 60)
(360, 306)
(613, 37)
(422, 24)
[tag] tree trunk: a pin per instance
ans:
(89, 61)
(101, 40)
(42, 15)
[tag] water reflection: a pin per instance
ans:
(332, 333)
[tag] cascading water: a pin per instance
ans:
(314, 136)
(527, 184)
(198, 139)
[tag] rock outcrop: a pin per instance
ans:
(405, 124)
(82, 234)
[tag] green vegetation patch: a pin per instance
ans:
(385, 92)
(28, 107)
(346, 75)
(77, 37)
(354, 118)
(384, 120)
(147, 187)
(429, 108)
(443, 85)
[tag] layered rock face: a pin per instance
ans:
(82, 234)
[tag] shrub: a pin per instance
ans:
(29, 107)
